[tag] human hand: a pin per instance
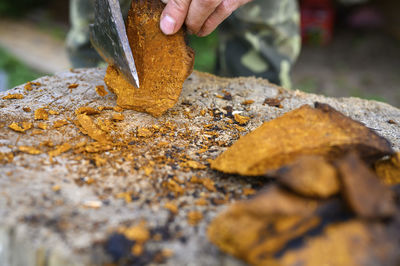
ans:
(200, 16)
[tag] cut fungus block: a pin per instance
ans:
(310, 176)
(305, 131)
(256, 229)
(362, 189)
(162, 62)
(336, 247)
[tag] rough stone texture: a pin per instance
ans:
(40, 225)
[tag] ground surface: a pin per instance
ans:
(62, 211)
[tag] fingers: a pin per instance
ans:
(223, 11)
(200, 16)
(199, 11)
(174, 15)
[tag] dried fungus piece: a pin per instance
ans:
(273, 102)
(60, 123)
(242, 120)
(60, 149)
(162, 62)
(29, 150)
(101, 91)
(144, 132)
(255, 230)
(28, 86)
(91, 129)
(87, 111)
(22, 128)
(194, 217)
(310, 176)
(305, 131)
(73, 86)
(388, 170)
(15, 96)
(42, 125)
(118, 117)
(41, 114)
(364, 192)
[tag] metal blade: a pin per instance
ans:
(109, 38)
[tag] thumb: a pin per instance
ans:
(174, 15)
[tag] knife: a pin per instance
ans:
(108, 36)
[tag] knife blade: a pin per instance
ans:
(108, 36)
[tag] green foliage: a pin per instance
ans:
(17, 72)
(16, 8)
(206, 52)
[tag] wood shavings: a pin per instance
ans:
(41, 114)
(101, 91)
(14, 96)
(29, 150)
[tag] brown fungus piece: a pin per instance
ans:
(305, 131)
(310, 176)
(162, 62)
(362, 189)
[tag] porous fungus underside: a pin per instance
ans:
(162, 62)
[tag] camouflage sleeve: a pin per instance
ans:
(261, 39)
